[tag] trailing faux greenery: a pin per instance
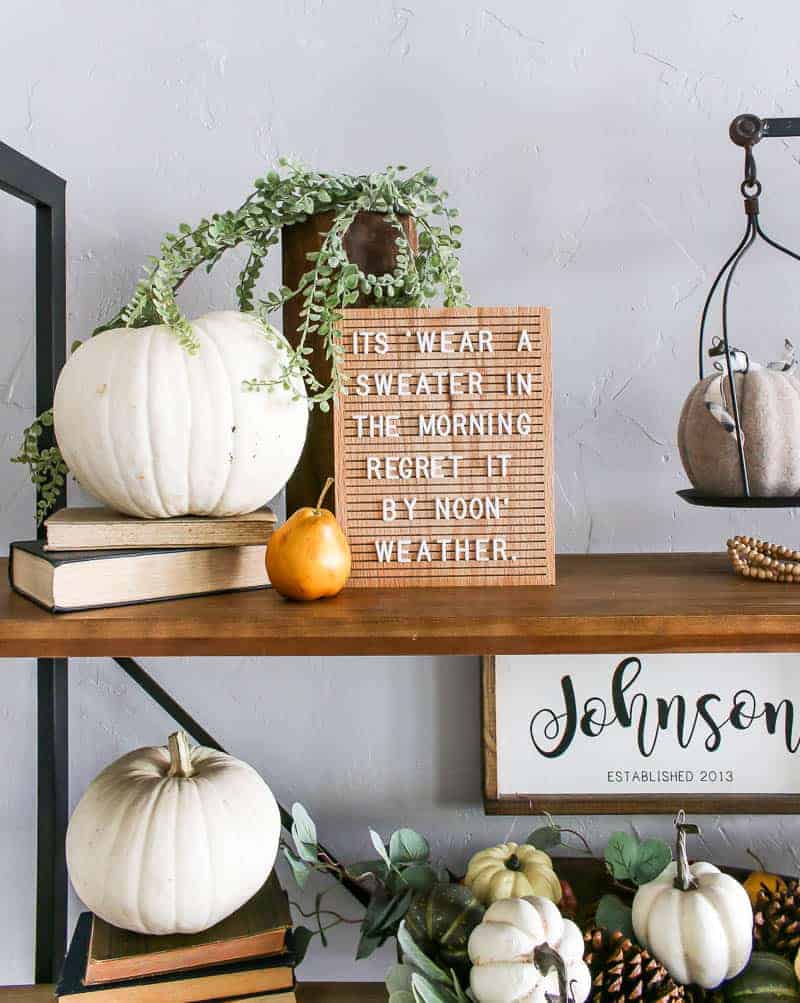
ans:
(399, 870)
(285, 196)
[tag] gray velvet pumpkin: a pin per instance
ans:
(769, 409)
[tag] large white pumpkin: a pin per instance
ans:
(153, 431)
(505, 951)
(172, 840)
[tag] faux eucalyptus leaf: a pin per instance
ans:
(398, 978)
(300, 871)
(431, 992)
(377, 842)
(545, 838)
(407, 847)
(613, 914)
(304, 833)
(631, 859)
(622, 853)
(367, 945)
(301, 938)
(420, 877)
(652, 858)
(413, 955)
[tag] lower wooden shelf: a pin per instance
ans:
(311, 992)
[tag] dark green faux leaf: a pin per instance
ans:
(545, 838)
(408, 847)
(622, 853)
(367, 945)
(301, 938)
(420, 877)
(653, 856)
(613, 914)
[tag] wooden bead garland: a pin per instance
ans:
(754, 558)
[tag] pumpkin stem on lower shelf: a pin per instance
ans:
(513, 863)
(325, 489)
(546, 958)
(180, 756)
(684, 879)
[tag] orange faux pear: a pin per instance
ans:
(309, 556)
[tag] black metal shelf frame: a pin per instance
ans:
(28, 181)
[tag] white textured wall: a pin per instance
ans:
(586, 144)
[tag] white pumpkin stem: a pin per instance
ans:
(180, 756)
(684, 880)
(545, 958)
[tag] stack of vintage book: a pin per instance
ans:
(247, 956)
(95, 557)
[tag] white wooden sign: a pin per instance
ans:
(642, 732)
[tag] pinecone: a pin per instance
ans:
(776, 919)
(622, 970)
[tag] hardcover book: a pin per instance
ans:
(65, 581)
(104, 529)
(258, 929)
(272, 976)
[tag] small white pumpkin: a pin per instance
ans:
(155, 432)
(697, 921)
(511, 950)
(172, 840)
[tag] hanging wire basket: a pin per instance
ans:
(745, 131)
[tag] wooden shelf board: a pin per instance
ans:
(314, 992)
(601, 603)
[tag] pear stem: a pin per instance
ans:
(180, 756)
(325, 489)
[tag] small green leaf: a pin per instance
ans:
(301, 938)
(398, 978)
(413, 955)
(303, 825)
(420, 877)
(622, 852)
(300, 871)
(407, 847)
(653, 856)
(613, 914)
(367, 945)
(430, 992)
(377, 842)
(545, 838)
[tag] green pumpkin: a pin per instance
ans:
(441, 920)
(767, 977)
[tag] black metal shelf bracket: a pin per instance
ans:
(28, 181)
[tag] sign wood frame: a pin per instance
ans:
(497, 802)
(444, 446)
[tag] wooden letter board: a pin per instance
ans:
(443, 446)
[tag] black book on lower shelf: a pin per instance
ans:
(66, 581)
(271, 977)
